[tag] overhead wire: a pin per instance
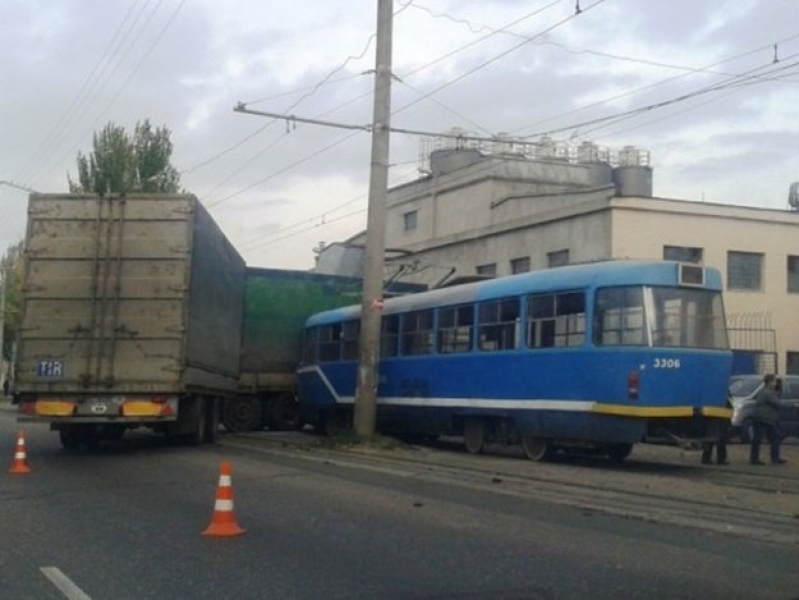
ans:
(735, 80)
(100, 83)
(311, 91)
(526, 16)
(703, 69)
(76, 101)
(737, 87)
(159, 36)
(340, 106)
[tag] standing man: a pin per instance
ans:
(767, 407)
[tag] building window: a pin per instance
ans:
(487, 270)
(520, 265)
(559, 258)
(792, 363)
(683, 254)
(744, 270)
(410, 220)
(793, 274)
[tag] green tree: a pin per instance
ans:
(11, 277)
(120, 163)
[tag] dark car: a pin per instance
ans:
(743, 389)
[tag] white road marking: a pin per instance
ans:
(64, 584)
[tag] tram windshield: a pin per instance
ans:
(660, 317)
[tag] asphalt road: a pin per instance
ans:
(126, 522)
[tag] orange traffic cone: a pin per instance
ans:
(20, 464)
(223, 522)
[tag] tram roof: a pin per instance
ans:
(570, 277)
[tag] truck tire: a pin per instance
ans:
(196, 434)
(75, 437)
(283, 413)
(242, 414)
(211, 421)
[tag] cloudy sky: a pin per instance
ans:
(709, 87)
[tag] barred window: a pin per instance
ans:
(489, 270)
(744, 270)
(792, 363)
(520, 265)
(556, 320)
(417, 332)
(499, 324)
(559, 258)
(793, 274)
(683, 254)
(455, 329)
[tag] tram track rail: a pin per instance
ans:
(734, 501)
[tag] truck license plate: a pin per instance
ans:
(98, 407)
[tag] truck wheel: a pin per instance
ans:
(69, 439)
(77, 436)
(284, 413)
(197, 432)
(211, 421)
(242, 414)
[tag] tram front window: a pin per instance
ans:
(660, 317)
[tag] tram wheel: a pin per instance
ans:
(536, 448)
(473, 435)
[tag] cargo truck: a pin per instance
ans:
(131, 317)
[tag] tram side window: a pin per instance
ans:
(389, 335)
(556, 320)
(309, 348)
(455, 329)
(349, 340)
(417, 332)
(619, 317)
(498, 324)
(330, 342)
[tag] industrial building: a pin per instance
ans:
(496, 209)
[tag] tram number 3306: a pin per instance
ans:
(667, 363)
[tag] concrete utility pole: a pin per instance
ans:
(372, 301)
(3, 371)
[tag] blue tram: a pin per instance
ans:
(590, 357)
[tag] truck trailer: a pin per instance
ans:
(276, 306)
(132, 311)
